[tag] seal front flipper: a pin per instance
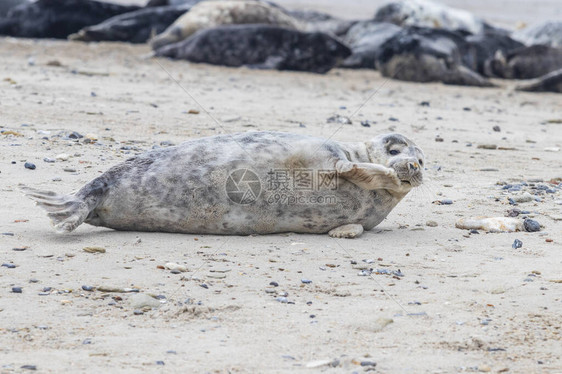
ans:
(350, 231)
(369, 176)
(65, 211)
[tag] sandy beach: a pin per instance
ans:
(440, 300)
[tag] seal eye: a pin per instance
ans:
(420, 161)
(394, 152)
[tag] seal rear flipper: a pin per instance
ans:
(65, 211)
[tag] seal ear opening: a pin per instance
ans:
(65, 211)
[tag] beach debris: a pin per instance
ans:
(443, 202)
(487, 146)
(172, 266)
(490, 224)
(142, 301)
(319, 363)
(94, 249)
(116, 289)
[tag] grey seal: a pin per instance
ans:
(365, 39)
(247, 183)
(260, 46)
(545, 33)
(312, 21)
(213, 13)
(551, 82)
(525, 63)
(133, 27)
(421, 54)
(57, 18)
(425, 13)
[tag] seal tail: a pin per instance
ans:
(65, 211)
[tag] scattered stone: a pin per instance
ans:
(48, 160)
(9, 266)
(142, 300)
(17, 289)
(160, 363)
(443, 202)
(492, 224)
(274, 284)
(29, 367)
(552, 149)
(175, 267)
(74, 135)
(306, 281)
(138, 312)
(339, 119)
(282, 299)
(87, 288)
(69, 170)
(192, 111)
(366, 123)
(94, 249)
(439, 139)
(525, 197)
(531, 225)
(431, 224)
(489, 169)
(424, 103)
(29, 165)
(62, 157)
(368, 363)
(496, 128)
(517, 244)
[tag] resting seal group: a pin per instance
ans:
(247, 183)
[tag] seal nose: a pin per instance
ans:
(413, 166)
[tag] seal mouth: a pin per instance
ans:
(407, 182)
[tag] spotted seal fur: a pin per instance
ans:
(213, 13)
(222, 185)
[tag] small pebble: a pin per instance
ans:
(496, 128)
(282, 299)
(29, 165)
(17, 289)
(49, 160)
(339, 119)
(306, 281)
(517, 244)
(87, 341)
(274, 284)
(431, 224)
(531, 225)
(87, 288)
(29, 367)
(160, 363)
(138, 312)
(9, 266)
